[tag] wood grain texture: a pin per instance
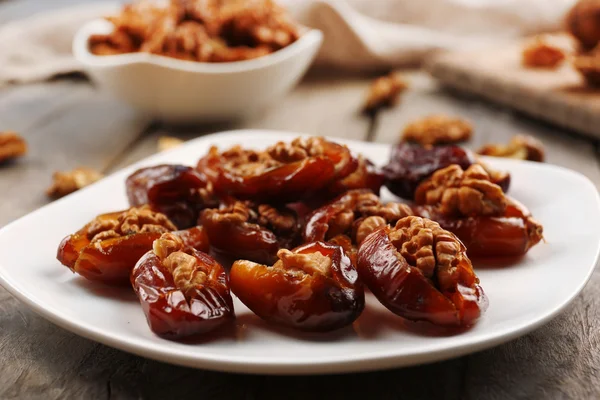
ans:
(558, 96)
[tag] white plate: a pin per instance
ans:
(522, 296)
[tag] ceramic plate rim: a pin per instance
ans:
(233, 363)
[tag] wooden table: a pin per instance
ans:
(68, 123)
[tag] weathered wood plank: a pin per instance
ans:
(66, 125)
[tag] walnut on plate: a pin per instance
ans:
(11, 146)
(540, 54)
(522, 147)
(384, 92)
(134, 220)
(459, 192)
(438, 129)
(65, 183)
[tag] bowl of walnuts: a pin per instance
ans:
(185, 61)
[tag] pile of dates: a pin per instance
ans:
(298, 232)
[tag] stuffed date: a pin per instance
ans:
(107, 248)
(249, 231)
(183, 291)
(354, 214)
(282, 173)
(314, 287)
(177, 191)
(421, 272)
(470, 205)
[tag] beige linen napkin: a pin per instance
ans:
(359, 34)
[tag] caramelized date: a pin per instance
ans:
(510, 235)
(351, 214)
(366, 176)
(182, 291)
(106, 249)
(177, 191)
(412, 163)
(314, 287)
(243, 230)
(422, 273)
(283, 173)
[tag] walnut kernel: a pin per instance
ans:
(540, 54)
(307, 263)
(384, 92)
(437, 129)
(522, 147)
(167, 143)
(65, 183)
(462, 193)
(428, 247)
(134, 220)
(11, 146)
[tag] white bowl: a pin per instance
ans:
(187, 91)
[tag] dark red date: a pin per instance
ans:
(177, 191)
(422, 273)
(314, 287)
(183, 291)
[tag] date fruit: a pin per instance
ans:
(352, 214)
(244, 230)
(421, 272)
(511, 234)
(283, 173)
(106, 249)
(177, 191)
(183, 291)
(314, 287)
(410, 164)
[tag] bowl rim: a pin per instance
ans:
(310, 39)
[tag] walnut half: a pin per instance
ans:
(65, 183)
(11, 146)
(431, 249)
(135, 220)
(438, 129)
(384, 92)
(522, 147)
(186, 271)
(540, 54)
(459, 192)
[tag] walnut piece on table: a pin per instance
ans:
(64, 183)
(384, 92)
(588, 65)
(540, 54)
(521, 147)
(11, 146)
(438, 129)
(168, 142)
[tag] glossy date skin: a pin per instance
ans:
(302, 299)
(174, 190)
(247, 237)
(365, 176)
(282, 182)
(110, 261)
(172, 313)
(410, 164)
(510, 235)
(405, 291)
